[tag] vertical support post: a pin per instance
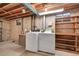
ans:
(22, 26)
(1, 25)
(44, 24)
(33, 22)
(75, 26)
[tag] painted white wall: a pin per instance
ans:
(50, 20)
(40, 21)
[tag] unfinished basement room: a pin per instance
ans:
(39, 29)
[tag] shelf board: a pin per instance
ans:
(65, 34)
(76, 28)
(65, 40)
(78, 41)
(77, 34)
(66, 28)
(65, 44)
(77, 47)
(71, 34)
(65, 22)
(64, 50)
(68, 22)
(70, 17)
(70, 28)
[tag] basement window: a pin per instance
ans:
(18, 22)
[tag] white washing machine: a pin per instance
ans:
(32, 41)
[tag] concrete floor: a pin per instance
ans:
(11, 49)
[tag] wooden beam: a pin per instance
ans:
(72, 7)
(4, 11)
(11, 5)
(15, 15)
(31, 8)
(66, 5)
(39, 5)
(12, 11)
(21, 16)
(15, 10)
(36, 4)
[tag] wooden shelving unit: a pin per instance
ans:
(1, 31)
(67, 33)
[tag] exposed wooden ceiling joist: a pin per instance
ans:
(15, 15)
(8, 6)
(31, 8)
(12, 11)
(4, 11)
(55, 6)
(21, 16)
(72, 7)
(11, 5)
(16, 10)
(39, 5)
(3, 4)
(65, 6)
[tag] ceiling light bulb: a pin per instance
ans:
(45, 9)
(23, 11)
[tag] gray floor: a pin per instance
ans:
(11, 49)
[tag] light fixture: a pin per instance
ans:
(23, 11)
(45, 9)
(51, 12)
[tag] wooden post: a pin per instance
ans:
(22, 26)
